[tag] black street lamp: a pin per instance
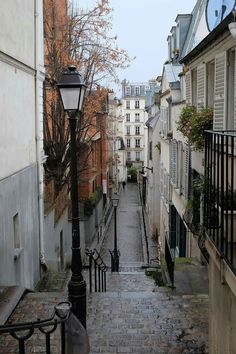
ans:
(115, 254)
(72, 91)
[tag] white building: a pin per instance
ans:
(21, 144)
(134, 103)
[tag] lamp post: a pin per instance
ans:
(72, 92)
(115, 254)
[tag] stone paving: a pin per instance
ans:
(134, 315)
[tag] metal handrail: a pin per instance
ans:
(98, 268)
(59, 316)
(170, 261)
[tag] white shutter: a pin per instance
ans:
(186, 159)
(174, 164)
(201, 86)
(188, 88)
(220, 92)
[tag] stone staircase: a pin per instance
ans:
(135, 316)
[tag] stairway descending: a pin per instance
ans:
(135, 316)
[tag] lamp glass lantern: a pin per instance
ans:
(115, 200)
(72, 89)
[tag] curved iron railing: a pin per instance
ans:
(21, 332)
(97, 270)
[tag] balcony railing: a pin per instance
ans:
(220, 193)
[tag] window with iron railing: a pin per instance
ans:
(137, 156)
(127, 117)
(128, 143)
(137, 117)
(128, 155)
(127, 104)
(128, 130)
(137, 104)
(137, 143)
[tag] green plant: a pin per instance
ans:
(90, 203)
(192, 124)
(132, 172)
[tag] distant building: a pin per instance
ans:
(134, 102)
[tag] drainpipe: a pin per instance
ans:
(39, 77)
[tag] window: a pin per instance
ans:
(128, 143)
(127, 117)
(127, 104)
(137, 156)
(137, 90)
(150, 150)
(128, 130)
(137, 143)
(136, 104)
(128, 155)
(127, 91)
(16, 231)
(137, 130)
(137, 117)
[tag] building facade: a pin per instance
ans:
(21, 143)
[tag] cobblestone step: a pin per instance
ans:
(147, 322)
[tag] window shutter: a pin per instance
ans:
(174, 164)
(201, 86)
(161, 120)
(188, 88)
(220, 90)
(186, 160)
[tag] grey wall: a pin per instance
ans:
(19, 194)
(57, 248)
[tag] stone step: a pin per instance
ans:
(9, 298)
(146, 322)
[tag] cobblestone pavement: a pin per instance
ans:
(134, 315)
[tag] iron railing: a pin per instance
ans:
(170, 261)
(220, 193)
(97, 271)
(22, 332)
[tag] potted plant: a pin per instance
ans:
(192, 124)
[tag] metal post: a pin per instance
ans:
(115, 252)
(77, 285)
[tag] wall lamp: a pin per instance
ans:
(232, 26)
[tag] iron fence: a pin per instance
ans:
(220, 193)
(22, 332)
(97, 271)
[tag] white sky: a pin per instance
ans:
(142, 27)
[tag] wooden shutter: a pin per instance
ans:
(174, 164)
(220, 92)
(201, 86)
(186, 159)
(188, 88)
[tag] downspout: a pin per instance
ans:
(39, 77)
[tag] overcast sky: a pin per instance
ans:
(142, 27)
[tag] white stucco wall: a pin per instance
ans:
(17, 30)
(17, 133)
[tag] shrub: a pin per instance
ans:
(192, 124)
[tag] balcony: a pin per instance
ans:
(220, 193)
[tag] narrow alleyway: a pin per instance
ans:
(134, 315)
